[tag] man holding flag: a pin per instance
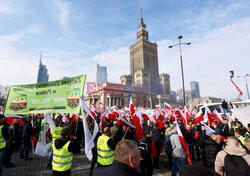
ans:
(178, 154)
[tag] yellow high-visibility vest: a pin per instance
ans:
(62, 158)
(56, 133)
(105, 155)
(2, 140)
(242, 140)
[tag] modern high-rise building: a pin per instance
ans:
(101, 74)
(42, 72)
(195, 89)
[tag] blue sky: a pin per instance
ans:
(75, 35)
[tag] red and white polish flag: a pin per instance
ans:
(168, 106)
(184, 144)
(131, 107)
(198, 118)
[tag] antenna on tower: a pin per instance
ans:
(141, 16)
(41, 56)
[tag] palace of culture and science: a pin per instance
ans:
(144, 83)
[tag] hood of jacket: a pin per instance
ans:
(238, 151)
(60, 142)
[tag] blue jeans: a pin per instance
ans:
(178, 162)
(226, 111)
(2, 158)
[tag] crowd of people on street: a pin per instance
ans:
(213, 147)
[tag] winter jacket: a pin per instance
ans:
(211, 150)
(156, 138)
(189, 136)
(145, 145)
(224, 105)
(27, 129)
(60, 142)
(117, 168)
(178, 151)
(14, 135)
(238, 151)
(116, 132)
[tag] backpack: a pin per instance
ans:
(167, 147)
(236, 165)
(143, 147)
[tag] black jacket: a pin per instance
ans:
(60, 142)
(117, 168)
(156, 138)
(189, 136)
(211, 150)
(15, 134)
(145, 150)
(27, 129)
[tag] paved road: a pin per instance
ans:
(80, 167)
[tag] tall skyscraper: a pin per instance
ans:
(195, 90)
(101, 74)
(144, 59)
(42, 72)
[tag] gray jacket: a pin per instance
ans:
(178, 151)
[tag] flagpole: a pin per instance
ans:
(126, 132)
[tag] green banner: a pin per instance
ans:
(61, 96)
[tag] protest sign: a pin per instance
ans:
(61, 96)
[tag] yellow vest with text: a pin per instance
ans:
(105, 155)
(62, 158)
(56, 133)
(2, 140)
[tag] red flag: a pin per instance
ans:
(168, 106)
(182, 115)
(131, 107)
(187, 114)
(198, 118)
(183, 143)
(208, 116)
(10, 118)
(217, 116)
(157, 107)
(137, 123)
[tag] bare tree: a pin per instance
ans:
(179, 96)
(3, 94)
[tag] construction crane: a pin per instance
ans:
(241, 93)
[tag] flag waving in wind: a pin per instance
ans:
(183, 143)
(90, 129)
(131, 107)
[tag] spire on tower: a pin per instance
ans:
(141, 17)
(41, 56)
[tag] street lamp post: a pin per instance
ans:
(247, 75)
(179, 44)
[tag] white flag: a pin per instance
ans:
(90, 126)
(42, 148)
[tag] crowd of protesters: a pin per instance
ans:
(118, 151)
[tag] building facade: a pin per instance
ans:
(144, 84)
(195, 89)
(203, 101)
(144, 59)
(101, 74)
(42, 72)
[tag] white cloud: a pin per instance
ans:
(4, 8)
(64, 11)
